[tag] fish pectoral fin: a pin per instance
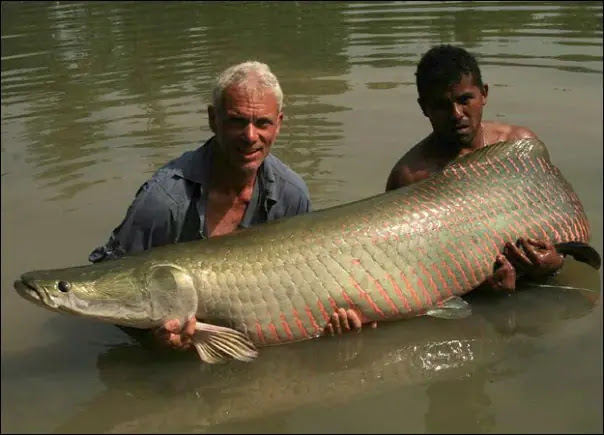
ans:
(217, 344)
(452, 308)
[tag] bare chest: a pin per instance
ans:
(224, 213)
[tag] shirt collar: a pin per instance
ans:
(271, 189)
(199, 167)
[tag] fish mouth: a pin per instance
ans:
(32, 293)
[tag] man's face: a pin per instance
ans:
(456, 113)
(246, 126)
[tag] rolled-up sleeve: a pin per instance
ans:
(304, 204)
(149, 222)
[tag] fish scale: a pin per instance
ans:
(442, 237)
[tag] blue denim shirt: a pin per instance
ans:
(171, 206)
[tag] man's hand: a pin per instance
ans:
(171, 334)
(345, 321)
(504, 277)
(537, 259)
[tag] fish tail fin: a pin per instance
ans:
(581, 252)
(217, 344)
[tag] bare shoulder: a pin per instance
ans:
(518, 132)
(413, 166)
(497, 132)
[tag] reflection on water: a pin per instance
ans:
(97, 95)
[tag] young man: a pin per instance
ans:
(452, 96)
(232, 181)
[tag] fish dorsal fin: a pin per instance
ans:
(530, 148)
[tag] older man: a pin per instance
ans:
(232, 181)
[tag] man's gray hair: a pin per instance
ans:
(247, 74)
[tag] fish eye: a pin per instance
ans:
(63, 286)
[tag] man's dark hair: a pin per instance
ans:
(443, 66)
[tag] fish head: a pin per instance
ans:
(116, 291)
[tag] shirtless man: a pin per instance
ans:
(452, 96)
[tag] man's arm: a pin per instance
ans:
(498, 132)
(304, 204)
(518, 133)
(148, 222)
(295, 199)
(412, 167)
(400, 176)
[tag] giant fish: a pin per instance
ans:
(400, 254)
